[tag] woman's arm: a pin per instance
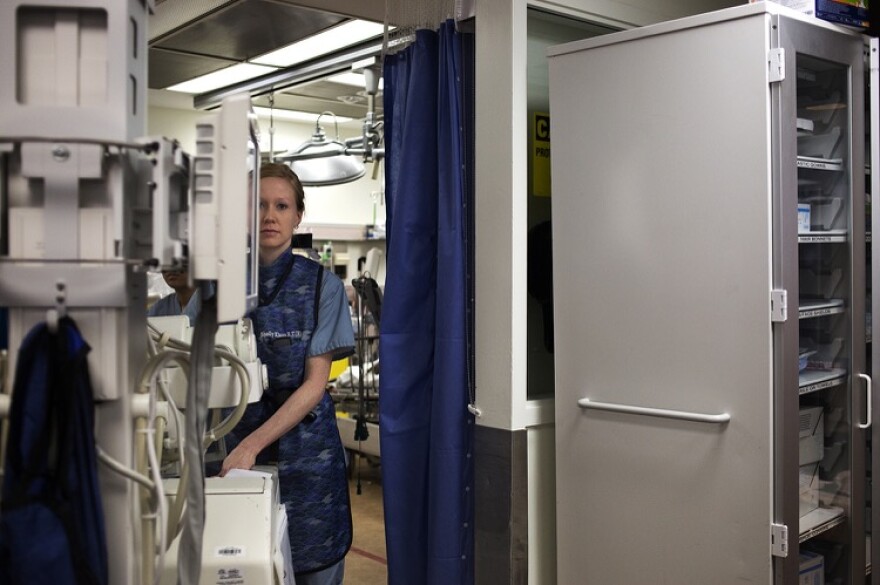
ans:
(294, 409)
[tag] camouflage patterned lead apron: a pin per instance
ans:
(310, 458)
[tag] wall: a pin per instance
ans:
(541, 445)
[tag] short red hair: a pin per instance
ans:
(282, 171)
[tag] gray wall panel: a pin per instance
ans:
(501, 506)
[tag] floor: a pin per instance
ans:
(366, 562)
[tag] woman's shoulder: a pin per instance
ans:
(332, 283)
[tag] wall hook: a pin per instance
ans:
(55, 314)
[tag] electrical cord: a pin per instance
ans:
(175, 345)
(166, 394)
(148, 382)
(123, 470)
(166, 349)
(155, 522)
(159, 531)
(162, 525)
(238, 365)
(177, 417)
(227, 424)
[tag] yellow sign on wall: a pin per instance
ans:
(541, 154)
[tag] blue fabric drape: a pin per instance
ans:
(426, 430)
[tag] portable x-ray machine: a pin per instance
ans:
(86, 206)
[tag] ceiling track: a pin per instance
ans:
(338, 62)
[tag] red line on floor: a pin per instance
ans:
(369, 555)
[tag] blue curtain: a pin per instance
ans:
(426, 430)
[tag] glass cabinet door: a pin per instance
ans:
(868, 339)
(826, 380)
(872, 158)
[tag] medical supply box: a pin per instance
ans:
(847, 12)
(811, 442)
(812, 568)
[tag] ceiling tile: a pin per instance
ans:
(167, 68)
(247, 29)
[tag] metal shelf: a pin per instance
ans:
(821, 308)
(820, 164)
(815, 380)
(827, 237)
(818, 521)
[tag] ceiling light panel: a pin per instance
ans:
(328, 41)
(222, 78)
(354, 79)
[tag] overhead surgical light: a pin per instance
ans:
(320, 161)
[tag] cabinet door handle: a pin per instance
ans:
(869, 398)
(659, 412)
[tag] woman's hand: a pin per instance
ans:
(242, 457)
(294, 409)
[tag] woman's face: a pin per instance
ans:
(279, 217)
(176, 279)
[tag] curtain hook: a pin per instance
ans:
(272, 127)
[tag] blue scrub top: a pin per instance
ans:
(333, 330)
(169, 306)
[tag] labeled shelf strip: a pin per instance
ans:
(814, 380)
(821, 308)
(826, 237)
(819, 164)
(818, 521)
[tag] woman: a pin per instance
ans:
(185, 300)
(302, 324)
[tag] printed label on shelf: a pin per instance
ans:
(820, 386)
(821, 238)
(820, 312)
(813, 380)
(806, 162)
(810, 308)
